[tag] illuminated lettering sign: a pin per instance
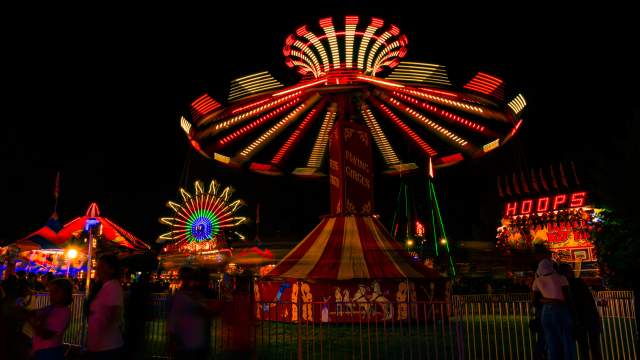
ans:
(547, 203)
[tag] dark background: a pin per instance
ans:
(96, 94)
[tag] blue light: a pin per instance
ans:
(201, 228)
(90, 223)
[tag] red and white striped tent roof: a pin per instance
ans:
(349, 247)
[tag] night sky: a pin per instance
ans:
(98, 98)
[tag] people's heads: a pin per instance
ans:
(566, 270)
(60, 292)
(22, 274)
(48, 278)
(186, 275)
(545, 267)
(108, 268)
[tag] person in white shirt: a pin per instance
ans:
(50, 322)
(551, 290)
(104, 338)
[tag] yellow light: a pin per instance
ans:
(443, 241)
(72, 253)
(410, 243)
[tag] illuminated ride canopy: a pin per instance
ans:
(202, 225)
(354, 66)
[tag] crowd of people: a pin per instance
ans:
(565, 312)
(116, 314)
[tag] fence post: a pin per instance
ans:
(299, 327)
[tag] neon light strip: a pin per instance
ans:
(314, 58)
(297, 134)
(366, 38)
(278, 127)
(374, 49)
(320, 48)
(381, 82)
(327, 26)
(185, 125)
(517, 104)
(429, 123)
(390, 157)
(225, 140)
(437, 111)
(300, 87)
(252, 105)
(320, 146)
(221, 125)
(444, 101)
(350, 27)
(405, 129)
(311, 64)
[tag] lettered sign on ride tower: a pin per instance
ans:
(350, 169)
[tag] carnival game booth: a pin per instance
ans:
(351, 265)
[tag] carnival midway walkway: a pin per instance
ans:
(467, 327)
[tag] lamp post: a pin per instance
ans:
(71, 254)
(90, 226)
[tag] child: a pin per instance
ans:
(49, 323)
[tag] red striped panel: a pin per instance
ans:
(378, 262)
(329, 264)
(296, 254)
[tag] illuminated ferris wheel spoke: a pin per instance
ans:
(293, 140)
(254, 110)
(445, 115)
(320, 145)
(276, 129)
(429, 124)
(406, 130)
(382, 143)
(243, 131)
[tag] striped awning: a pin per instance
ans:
(349, 247)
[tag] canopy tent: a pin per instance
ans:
(350, 247)
(46, 238)
(115, 236)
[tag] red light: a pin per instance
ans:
(526, 206)
(394, 30)
(559, 200)
(512, 208)
(302, 30)
(351, 20)
(542, 204)
(578, 199)
(375, 22)
(326, 22)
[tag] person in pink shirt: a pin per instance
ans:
(104, 337)
(50, 323)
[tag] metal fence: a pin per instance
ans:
(467, 327)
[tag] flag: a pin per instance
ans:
(507, 189)
(534, 182)
(553, 178)
(525, 186)
(258, 214)
(575, 176)
(563, 178)
(56, 190)
(516, 188)
(543, 181)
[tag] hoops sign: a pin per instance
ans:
(547, 203)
